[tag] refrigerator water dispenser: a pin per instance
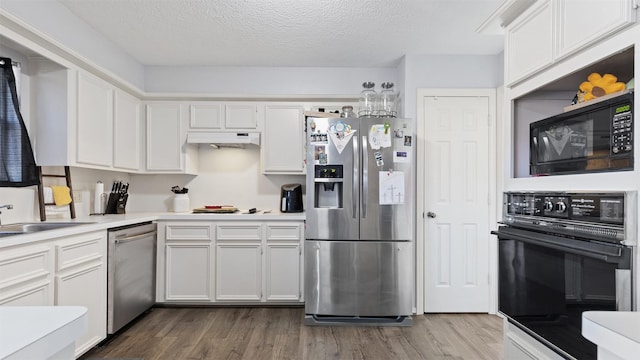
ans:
(328, 186)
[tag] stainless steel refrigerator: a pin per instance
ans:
(360, 188)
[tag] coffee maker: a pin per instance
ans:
(291, 198)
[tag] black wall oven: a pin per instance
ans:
(561, 254)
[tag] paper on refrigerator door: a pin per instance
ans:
(391, 187)
(341, 139)
(379, 136)
(400, 156)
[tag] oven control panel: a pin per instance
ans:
(607, 216)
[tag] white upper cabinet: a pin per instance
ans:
(551, 30)
(581, 23)
(216, 115)
(283, 148)
(94, 121)
(241, 116)
(84, 121)
(127, 133)
(206, 115)
(167, 151)
(529, 42)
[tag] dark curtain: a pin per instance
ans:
(17, 164)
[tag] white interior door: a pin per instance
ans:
(456, 203)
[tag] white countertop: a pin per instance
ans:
(616, 331)
(38, 332)
(103, 222)
(240, 215)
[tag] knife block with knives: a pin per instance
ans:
(117, 200)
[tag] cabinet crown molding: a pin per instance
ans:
(503, 16)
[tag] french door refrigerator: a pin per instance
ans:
(359, 239)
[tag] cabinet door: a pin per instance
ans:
(81, 280)
(282, 272)
(581, 23)
(188, 271)
(126, 131)
(238, 271)
(283, 261)
(529, 42)
(241, 116)
(165, 143)
(94, 121)
(86, 286)
(283, 150)
(205, 115)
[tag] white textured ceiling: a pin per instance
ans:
(306, 33)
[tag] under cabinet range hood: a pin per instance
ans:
(224, 139)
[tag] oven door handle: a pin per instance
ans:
(607, 253)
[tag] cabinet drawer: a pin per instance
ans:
(238, 232)
(24, 265)
(38, 293)
(79, 250)
(188, 232)
(283, 232)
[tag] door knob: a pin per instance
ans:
(431, 215)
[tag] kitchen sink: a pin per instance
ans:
(27, 228)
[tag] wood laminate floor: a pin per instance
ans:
(279, 333)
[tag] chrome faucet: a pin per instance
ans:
(8, 207)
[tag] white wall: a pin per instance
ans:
(60, 25)
(448, 71)
(264, 80)
(227, 177)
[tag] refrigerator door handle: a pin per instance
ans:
(365, 176)
(354, 185)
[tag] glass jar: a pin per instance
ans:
(387, 100)
(347, 112)
(368, 99)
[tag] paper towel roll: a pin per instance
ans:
(97, 198)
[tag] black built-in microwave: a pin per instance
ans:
(593, 138)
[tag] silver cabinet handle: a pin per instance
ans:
(431, 215)
(135, 237)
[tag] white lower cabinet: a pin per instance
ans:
(67, 271)
(184, 262)
(283, 261)
(230, 262)
(188, 271)
(81, 280)
(238, 270)
(283, 272)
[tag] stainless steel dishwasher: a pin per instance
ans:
(131, 274)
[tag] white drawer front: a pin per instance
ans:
(188, 232)
(38, 293)
(20, 266)
(77, 251)
(238, 232)
(283, 232)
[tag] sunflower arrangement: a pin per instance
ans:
(598, 86)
